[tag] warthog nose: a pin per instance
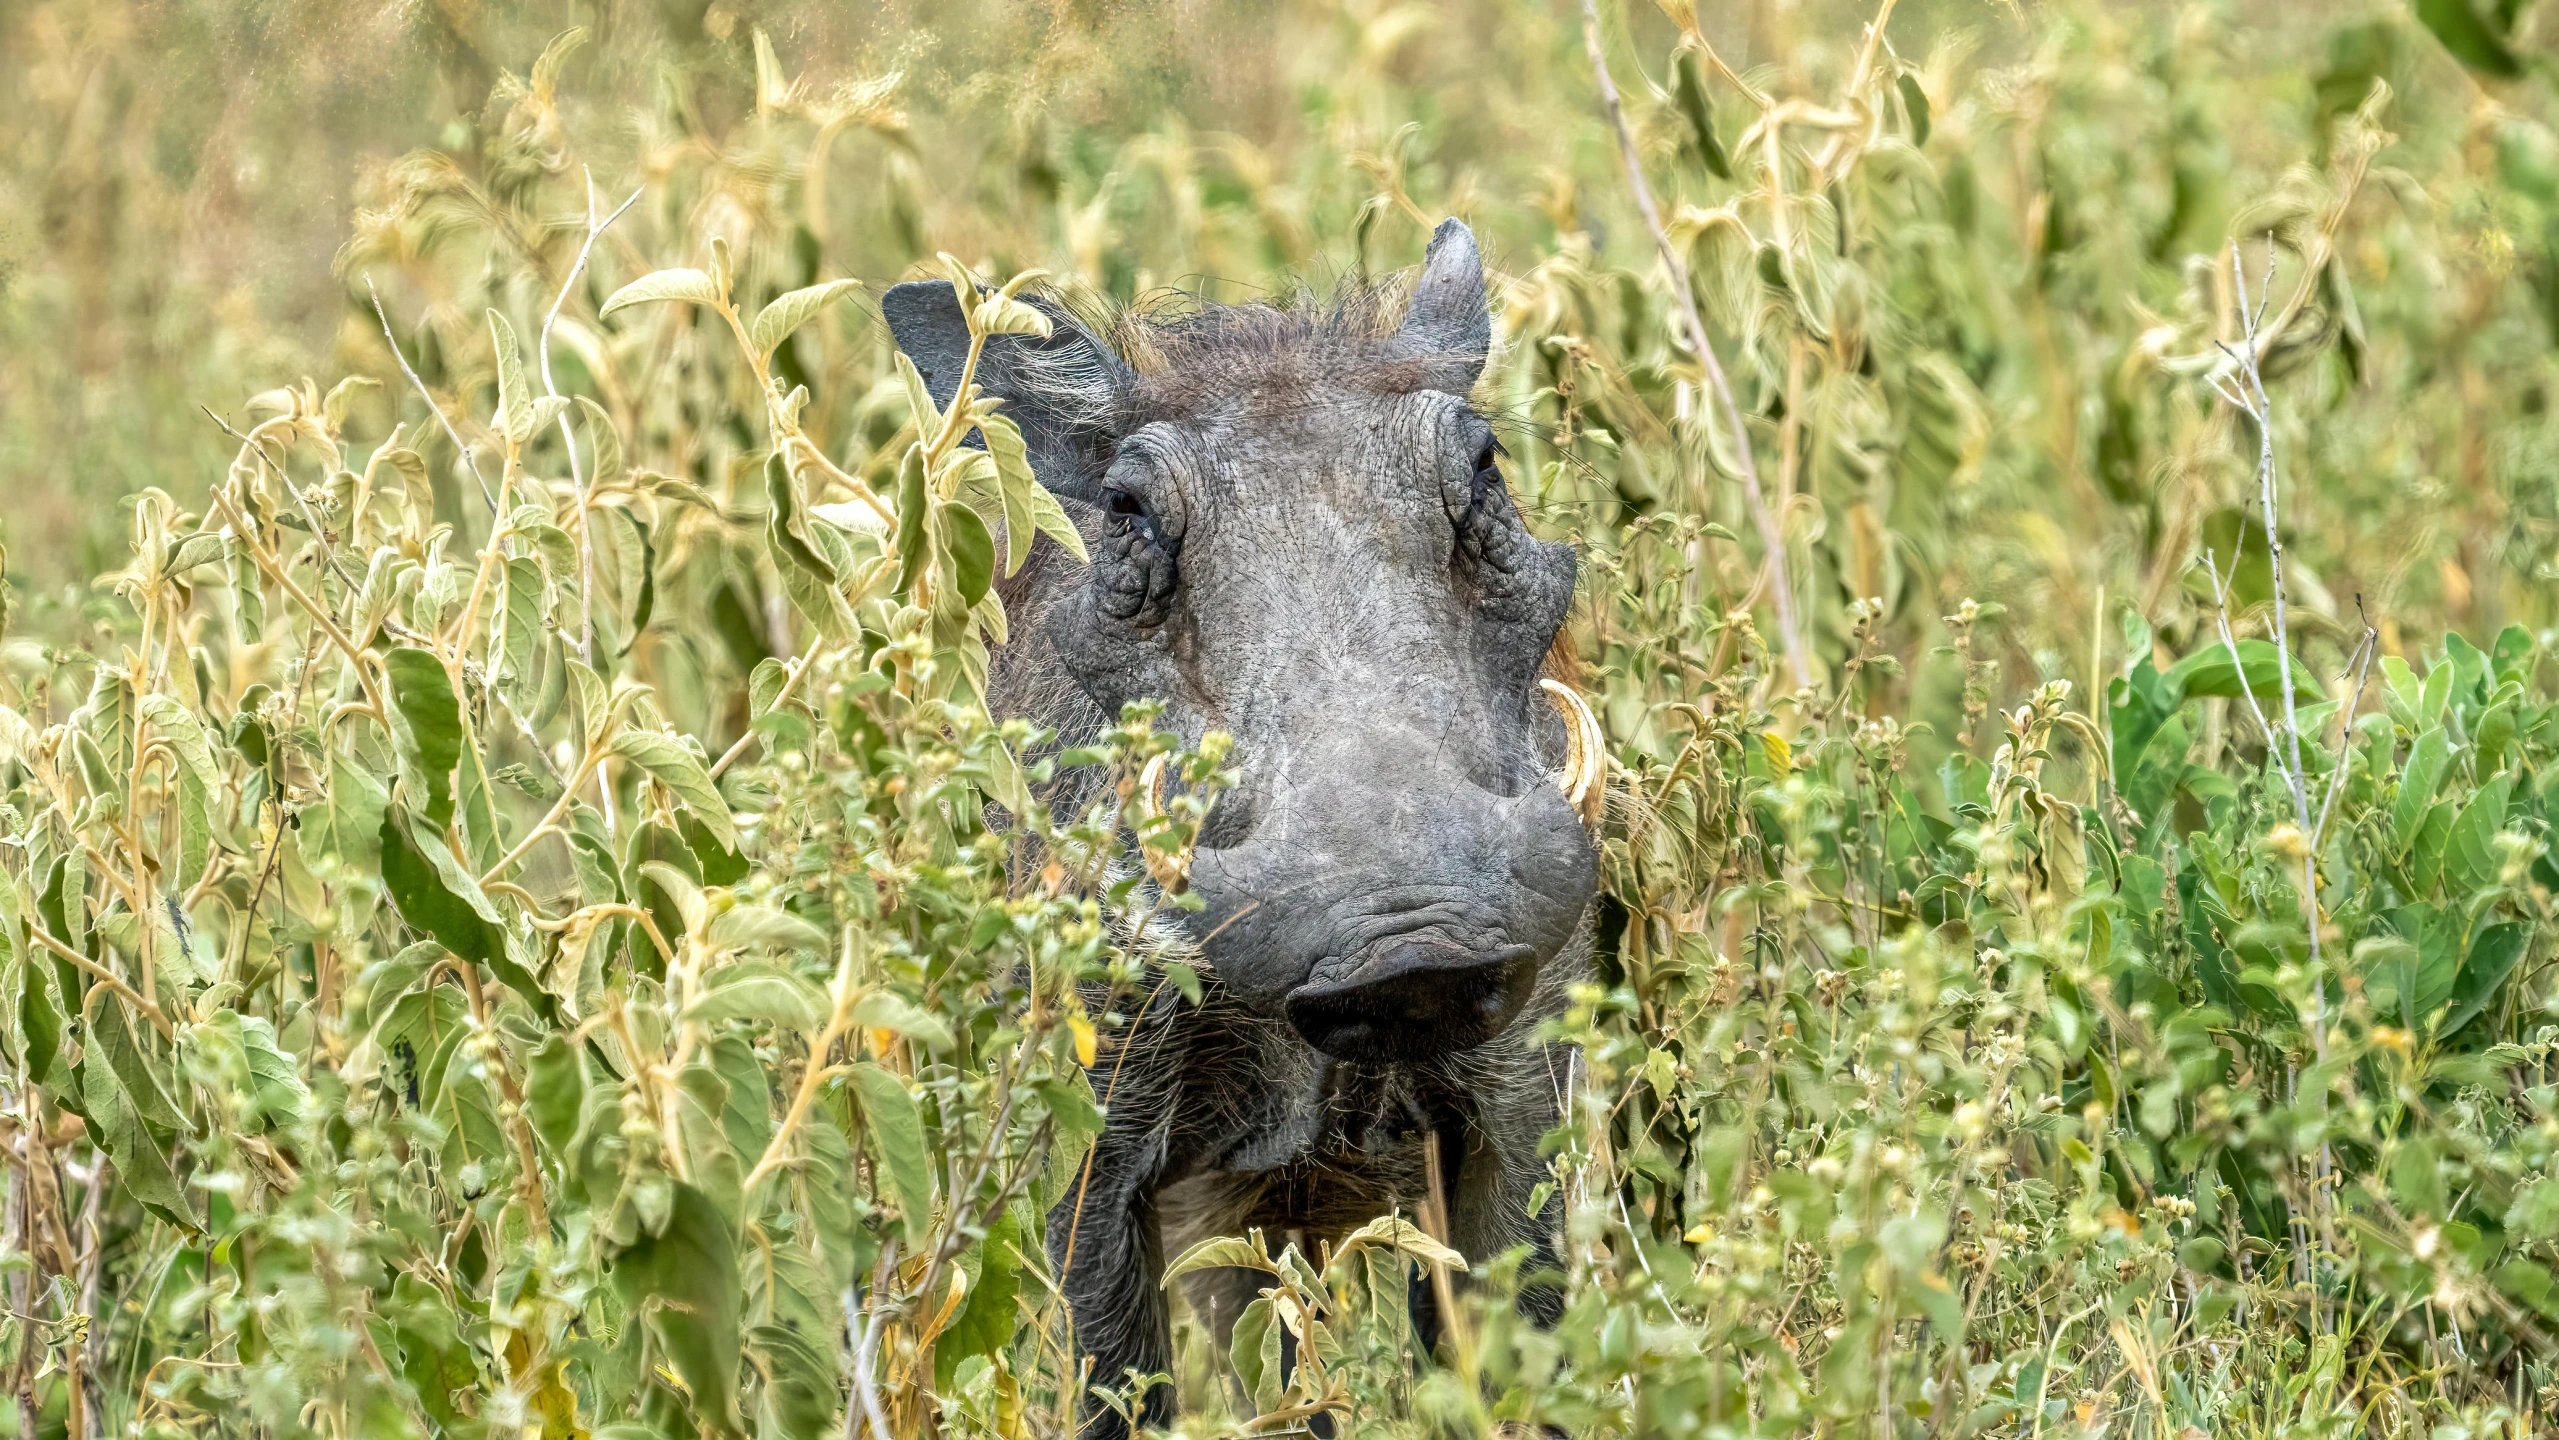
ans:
(1413, 999)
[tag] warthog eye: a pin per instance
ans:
(1137, 585)
(1488, 530)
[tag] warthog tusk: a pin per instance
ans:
(1173, 872)
(1585, 754)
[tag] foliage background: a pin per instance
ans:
(1975, 353)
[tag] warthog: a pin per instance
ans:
(1300, 535)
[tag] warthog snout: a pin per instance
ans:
(1414, 996)
(1391, 902)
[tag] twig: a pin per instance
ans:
(1772, 538)
(577, 480)
(2246, 392)
(250, 442)
(108, 978)
(781, 697)
(2346, 723)
(437, 410)
(863, 1355)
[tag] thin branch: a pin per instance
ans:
(2346, 723)
(864, 1353)
(256, 446)
(2246, 392)
(790, 686)
(91, 968)
(1771, 537)
(437, 410)
(577, 479)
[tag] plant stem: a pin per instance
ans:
(1771, 537)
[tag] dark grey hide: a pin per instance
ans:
(1299, 535)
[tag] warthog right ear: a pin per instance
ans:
(1448, 326)
(1060, 389)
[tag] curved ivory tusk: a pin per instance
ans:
(1585, 754)
(1173, 872)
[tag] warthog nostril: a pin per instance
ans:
(1414, 998)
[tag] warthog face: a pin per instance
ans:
(1301, 535)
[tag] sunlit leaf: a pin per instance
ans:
(692, 286)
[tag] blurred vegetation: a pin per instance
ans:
(511, 940)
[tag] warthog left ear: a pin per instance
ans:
(1059, 388)
(1448, 326)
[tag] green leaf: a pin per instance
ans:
(2529, 1281)
(683, 1283)
(387, 576)
(686, 777)
(914, 513)
(195, 832)
(2494, 951)
(110, 1037)
(1915, 101)
(1690, 94)
(273, 1081)
(844, 1244)
(997, 313)
(2427, 760)
(1049, 518)
(347, 823)
(1255, 1352)
(18, 739)
(430, 1351)
(515, 398)
(692, 286)
(1224, 1252)
(555, 1091)
(410, 1029)
(803, 554)
(882, 1010)
(893, 1129)
(443, 901)
(776, 322)
(33, 999)
(1073, 1122)
(1402, 1237)
(746, 1114)
(748, 926)
(519, 623)
(798, 1402)
(604, 464)
(2470, 852)
(185, 735)
(426, 731)
(2209, 673)
(986, 1324)
(760, 990)
(2471, 38)
(1013, 478)
(972, 552)
(143, 1168)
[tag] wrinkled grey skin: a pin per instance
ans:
(1298, 536)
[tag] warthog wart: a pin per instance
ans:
(1300, 535)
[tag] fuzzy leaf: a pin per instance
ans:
(777, 322)
(682, 772)
(688, 285)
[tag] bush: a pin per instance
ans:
(514, 915)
